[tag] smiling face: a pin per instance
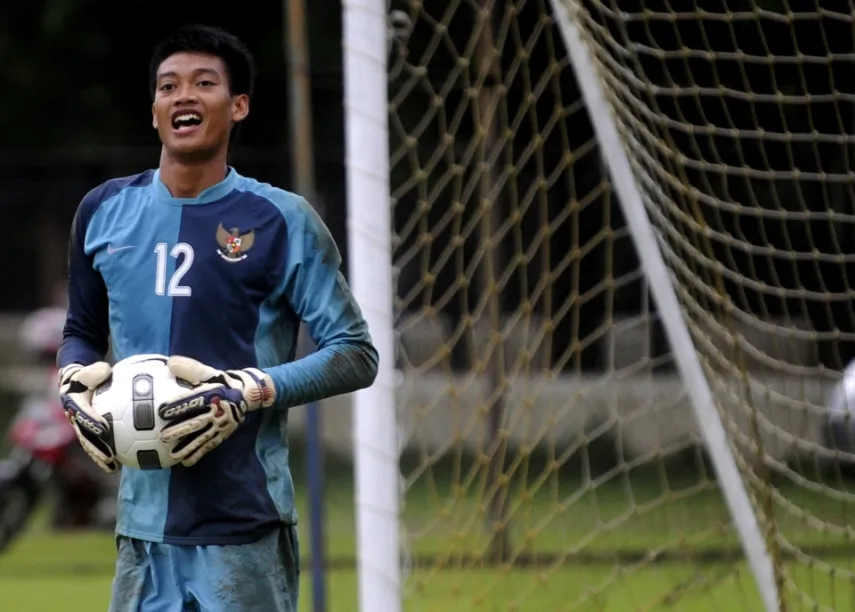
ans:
(194, 110)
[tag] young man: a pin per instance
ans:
(216, 270)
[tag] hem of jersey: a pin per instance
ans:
(199, 540)
(138, 535)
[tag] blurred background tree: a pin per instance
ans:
(75, 112)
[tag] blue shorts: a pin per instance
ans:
(262, 576)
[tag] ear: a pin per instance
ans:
(240, 107)
(153, 118)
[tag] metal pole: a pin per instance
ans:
(487, 63)
(303, 172)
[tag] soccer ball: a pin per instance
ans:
(840, 431)
(129, 400)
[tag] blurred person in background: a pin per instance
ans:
(85, 495)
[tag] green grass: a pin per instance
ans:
(615, 548)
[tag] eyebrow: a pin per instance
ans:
(198, 71)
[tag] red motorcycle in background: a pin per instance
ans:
(45, 455)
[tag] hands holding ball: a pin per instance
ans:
(153, 412)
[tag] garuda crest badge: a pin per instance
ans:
(232, 244)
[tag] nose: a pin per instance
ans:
(186, 94)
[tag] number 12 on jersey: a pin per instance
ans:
(183, 254)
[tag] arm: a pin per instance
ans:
(86, 333)
(345, 360)
(84, 343)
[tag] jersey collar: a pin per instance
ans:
(211, 194)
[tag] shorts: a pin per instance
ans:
(153, 577)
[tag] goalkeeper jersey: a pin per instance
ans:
(224, 278)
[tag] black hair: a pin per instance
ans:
(213, 41)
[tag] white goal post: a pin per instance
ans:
(369, 226)
(605, 253)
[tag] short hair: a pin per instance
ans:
(213, 41)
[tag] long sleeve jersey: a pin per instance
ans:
(224, 278)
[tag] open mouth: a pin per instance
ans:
(186, 121)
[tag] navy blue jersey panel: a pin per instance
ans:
(238, 245)
(224, 498)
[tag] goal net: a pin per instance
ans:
(551, 456)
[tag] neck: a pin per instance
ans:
(187, 179)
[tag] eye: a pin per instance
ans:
(207, 83)
(166, 87)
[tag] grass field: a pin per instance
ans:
(630, 552)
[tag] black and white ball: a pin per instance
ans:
(841, 413)
(129, 400)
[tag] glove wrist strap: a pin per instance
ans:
(264, 394)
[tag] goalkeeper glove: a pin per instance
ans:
(77, 384)
(200, 419)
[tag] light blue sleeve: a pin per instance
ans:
(314, 287)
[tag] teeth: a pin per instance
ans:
(186, 120)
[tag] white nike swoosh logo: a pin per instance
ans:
(111, 250)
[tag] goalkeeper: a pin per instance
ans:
(217, 270)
